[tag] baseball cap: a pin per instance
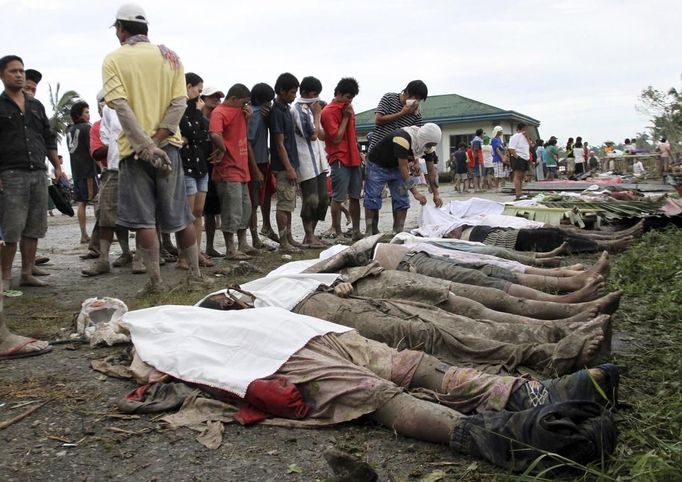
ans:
(131, 12)
(34, 75)
(211, 91)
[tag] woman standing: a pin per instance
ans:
(550, 156)
(579, 154)
(194, 163)
(570, 158)
(539, 160)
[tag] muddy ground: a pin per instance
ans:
(77, 436)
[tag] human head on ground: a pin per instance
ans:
(195, 85)
(33, 78)
(286, 87)
(310, 88)
(130, 20)
(238, 95)
(80, 112)
(415, 90)
(346, 90)
(12, 73)
(497, 131)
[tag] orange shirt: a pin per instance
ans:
(230, 123)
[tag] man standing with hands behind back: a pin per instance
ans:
(145, 84)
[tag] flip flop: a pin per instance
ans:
(89, 255)
(16, 351)
(12, 293)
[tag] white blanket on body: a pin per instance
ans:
(222, 349)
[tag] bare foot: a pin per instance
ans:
(601, 266)
(582, 317)
(39, 272)
(594, 288)
(213, 253)
(616, 246)
(609, 303)
(251, 251)
(294, 243)
(562, 249)
(237, 256)
(30, 280)
(181, 264)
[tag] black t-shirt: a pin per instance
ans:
(396, 145)
(78, 142)
(461, 162)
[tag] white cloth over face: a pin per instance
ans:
(221, 349)
(437, 223)
(283, 290)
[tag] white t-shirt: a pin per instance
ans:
(519, 143)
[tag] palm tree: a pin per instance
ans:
(60, 120)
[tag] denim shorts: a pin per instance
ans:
(194, 185)
(23, 204)
(377, 178)
(148, 197)
(346, 182)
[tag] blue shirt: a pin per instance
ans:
(282, 123)
(497, 143)
(258, 136)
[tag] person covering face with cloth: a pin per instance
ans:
(388, 164)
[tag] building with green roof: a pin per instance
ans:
(458, 117)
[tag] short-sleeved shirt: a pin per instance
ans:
(78, 142)
(519, 143)
(549, 156)
(193, 128)
(390, 104)
(346, 151)
(461, 162)
(281, 122)
(230, 123)
(497, 143)
(149, 82)
(258, 136)
(396, 145)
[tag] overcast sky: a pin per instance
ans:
(578, 66)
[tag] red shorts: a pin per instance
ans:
(259, 193)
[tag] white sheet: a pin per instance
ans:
(223, 349)
(284, 290)
(436, 223)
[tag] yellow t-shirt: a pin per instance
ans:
(142, 76)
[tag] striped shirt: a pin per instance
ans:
(390, 104)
